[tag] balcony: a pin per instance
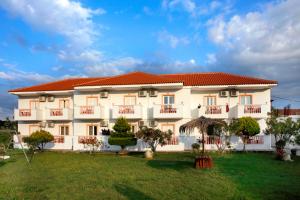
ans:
(215, 111)
(59, 114)
(127, 111)
(168, 111)
(28, 114)
(88, 112)
(255, 111)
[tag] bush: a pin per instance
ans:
(5, 138)
(38, 139)
(244, 127)
(154, 137)
(122, 135)
(122, 141)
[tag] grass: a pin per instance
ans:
(57, 175)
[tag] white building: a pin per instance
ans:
(72, 109)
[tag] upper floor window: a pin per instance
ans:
(92, 101)
(129, 100)
(210, 100)
(33, 104)
(246, 100)
(168, 99)
(64, 103)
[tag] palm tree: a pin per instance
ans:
(202, 123)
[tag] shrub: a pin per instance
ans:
(122, 135)
(244, 127)
(105, 132)
(38, 139)
(154, 137)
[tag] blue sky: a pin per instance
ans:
(46, 40)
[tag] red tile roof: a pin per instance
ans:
(216, 78)
(133, 78)
(66, 84)
(288, 112)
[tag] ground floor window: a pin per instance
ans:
(92, 130)
(64, 130)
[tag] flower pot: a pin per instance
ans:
(202, 162)
(149, 154)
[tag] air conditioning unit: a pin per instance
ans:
(224, 93)
(104, 94)
(104, 123)
(153, 93)
(42, 99)
(50, 124)
(50, 98)
(42, 124)
(141, 123)
(142, 93)
(153, 123)
(234, 93)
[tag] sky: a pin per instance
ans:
(46, 40)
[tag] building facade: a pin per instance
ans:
(74, 109)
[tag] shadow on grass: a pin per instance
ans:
(170, 164)
(131, 193)
(4, 162)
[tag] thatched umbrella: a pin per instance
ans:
(202, 123)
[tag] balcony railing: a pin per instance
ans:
(255, 111)
(127, 111)
(59, 139)
(28, 114)
(255, 139)
(173, 141)
(88, 112)
(87, 139)
(252, 109)
(214, 111)
(59, 114)
(172, 111)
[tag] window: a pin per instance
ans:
(210, 101)
(129, 100)
(92, 130)
(64, 103)
(168, 99)
(92, 101)
(64, 130)
(34, 104)
(246, 100)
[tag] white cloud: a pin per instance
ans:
(264, 43)
(21, 76)
(211, 58)
(112, 67)
(187, 5)
(172, 40)
(67, 18)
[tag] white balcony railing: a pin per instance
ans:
(215, 111)
(168, 111)
(88, 112)
(28, 114)
(127, 111)
(59, 114)
(255, 111)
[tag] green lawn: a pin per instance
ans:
(56, 175)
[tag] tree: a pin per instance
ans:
(38, 139)
(202, 124)
(221, 136)
(154, 137)
(285, 130)
(244, 127)
(121, 135)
